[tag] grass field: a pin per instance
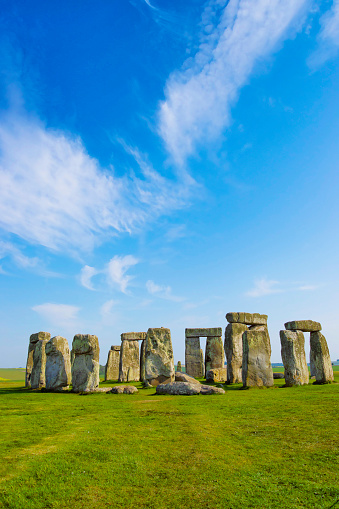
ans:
(268, 448)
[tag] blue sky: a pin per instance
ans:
(163, 163)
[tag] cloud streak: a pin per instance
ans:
(59, 315)
(163, 292)
(114, 271)
(328, 38)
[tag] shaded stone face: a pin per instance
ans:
(85, 366)
(179, 368)
(256, 366)
(247, 318)
(202, 363)
(58, 363)
(214, 354)
(303, 325)
(142, 360)
(129, 367)
(34, 338)
(38, 379)
(216, 375)
(233, 350)
(159, 362)
(322, 365)
(193, 364)
(112, 365)
(294, 358)
(202, 333)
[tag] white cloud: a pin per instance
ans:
(164, 292)
(117, 268)
(106, 308)
(328, 38)
(264, 287)
(198, 99)
(308, 288)
(8, 249)
(58, 315)
(54, 194)
(86, 275)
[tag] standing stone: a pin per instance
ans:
(256, 367)
(214, 354)
(312, 367)
(58, 364)
(233, 350)
(179, 367)
(294, 358)
(38, 379)
(192, 357)
(34, 338)
(112, 365)
(129, 367)
(159, 362)
(202, 363)
(321, 358)
(142, 361)
(85, 367)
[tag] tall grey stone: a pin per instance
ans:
(256, 358)
(179, 367)
(112, 364)
(214, 353)
(129, 367)
(34, 338)
(233, 350)
(193, 365)
(321, 358)
(312, 367)
(202, 363)
(38, 379)
(142, 361)
(85, 367)
(159, 361)
(58, 364)
(294, 358)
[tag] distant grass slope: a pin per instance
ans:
(13, 373)
(268, 448)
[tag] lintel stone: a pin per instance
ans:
(247, 318)
(133, 336)
(303, 325)
(201, 333)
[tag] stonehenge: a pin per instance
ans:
(58, 364)
(257, 369)
(294, 358)
(112, 364)
(179, 368)
(233, 350)
(129, 366)
(38, 377)
(322, 365)
(159, 361)
(33, 341)
(214, 355)
(85, 367)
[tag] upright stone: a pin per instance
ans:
(192, 357)
(202, 363)
(294, 358)
(214, 354)
(38, 379)
(142, 360)
(112, 364)
(179, 367)
(256, 367)
(312, 367)
(233, 350)
(129, 367)
(159, 362)
(321, 358)
(58, 364)
(85, 367)
(34, 338)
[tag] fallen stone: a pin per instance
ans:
(278, 376)
(129, 366)
(233, 350)
(133, 336)
(303, 325)
(294, 358)
(58, 364)
(112, 364)
(183, 377)
(216, 375)
(257, 368)
(193, 364)
(85, 368)
(203, 333)
(103, 389)
(159, 362)
(209, 389)
(124, 389)
(34, 338)
(321, 358)
(247, 318)
(179, 367)
(214, 353)
(179, 389)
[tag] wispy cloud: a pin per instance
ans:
(23, 261)
(328, 38)
(264, 287)
(198, 99)
(114, 272)
(58, 315)
(86, 275)
(163, 292)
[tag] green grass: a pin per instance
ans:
(257, 448)
(13, 373)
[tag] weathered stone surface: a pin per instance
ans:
(278, 376)
(294, 358)
(193, 364)
(233, 350)
(34, 338)
(129, 367)
(312, 367)
(208, 389)
(58, 364)
(247, 318)
(303, 325)
(216, 375)
(202, 362)
(142, 360)
(214, 353)
(133, 336)
(202, 333)
(179, 389)
(179, 367)
(321, 358)
(256, 366)
(183, 377)
(38, 378)
(159, 362)
(112, 364)
(85, 367)
(124, 389)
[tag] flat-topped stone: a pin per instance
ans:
(116, 348)
(133, 336)
(303, 325)
(202, 333)
(124, 389)
(247, 318)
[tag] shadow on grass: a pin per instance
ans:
(13, 390)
